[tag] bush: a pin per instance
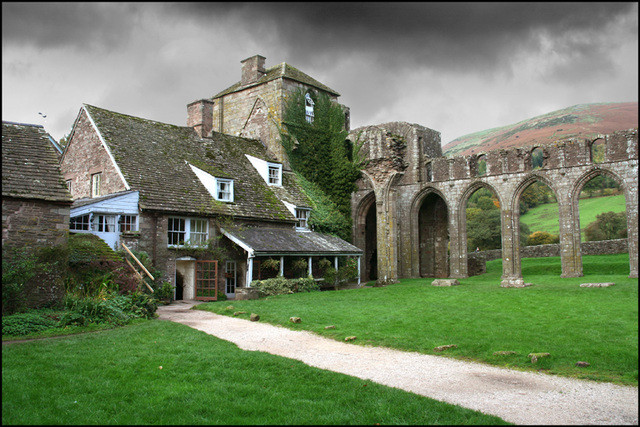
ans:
(607, 226)
(26, 323)
(542, 238)
(281, 286)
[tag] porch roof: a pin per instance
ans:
(283, 241)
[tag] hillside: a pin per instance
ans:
(579, 121)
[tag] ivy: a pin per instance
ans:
(319, 151)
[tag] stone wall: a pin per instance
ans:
(402, 181)
(85, 156)
(36, 225)
(602, 247)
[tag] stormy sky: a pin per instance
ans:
(457, 68)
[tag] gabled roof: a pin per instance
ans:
(155, 160)
(280, 71)
(30, 167)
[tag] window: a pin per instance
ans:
(104, 223)
(275, 174)
(224, 190)
(68, 182)
(198, 231)
(303, 219)
(128, 223)
(80, 223)
(181, 231)
(308, 108)
(96, 179)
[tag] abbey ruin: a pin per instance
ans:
(409, 212)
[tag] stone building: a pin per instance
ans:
(35, 201)
(207, 209)
(409, 213)
(254, 106)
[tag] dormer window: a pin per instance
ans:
(308, 108)
(220, 188)
(224, 190)
(302, 216)
(275, 174)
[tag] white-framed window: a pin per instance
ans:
(96, 180)
(68, 183)
(275, 174)
(80, 223)
(104, 223)
(128, 223)
(303, 218)
(193, 231)
(224, 190)
(308, 108)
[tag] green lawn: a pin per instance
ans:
(545, 217)
(555, 315)
(160, 372)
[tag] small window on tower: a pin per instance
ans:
(308, 108)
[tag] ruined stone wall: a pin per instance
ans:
(602, 247)
(86, 155)
(401, 178)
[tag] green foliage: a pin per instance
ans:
(320, 151)
(542, 238)
(112, 308)
(535, 194)
(26, 323)
(270, 264)
(281, 286)
(600, 185)
(607, 226)
(339, 278)
(18, 267)
(300, 266)
(164, 292)
(325, 216)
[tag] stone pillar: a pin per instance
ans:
(458, 246)
(511, 268)
(632, 226)
(570, 255)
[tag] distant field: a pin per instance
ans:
(545, 217)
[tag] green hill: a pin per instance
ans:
(545, 217)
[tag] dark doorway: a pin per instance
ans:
(179, 285)
(371, 244)
(433, 237)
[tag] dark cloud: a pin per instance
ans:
(101, 26)
(439, 35)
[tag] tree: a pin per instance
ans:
(542, 238)
(607, 226)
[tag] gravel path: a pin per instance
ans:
(517, 397)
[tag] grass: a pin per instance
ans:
(159, 372)
(545, 217)
(555, 315)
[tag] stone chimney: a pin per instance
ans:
(200, 116)
(252, 69)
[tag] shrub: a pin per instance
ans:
(18, 267)
(542, 238)
(281, 286)
(607, 226)
(26, 323)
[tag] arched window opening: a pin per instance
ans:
(539, 224)
(482, 165)
(597, 151)
(602, 208)
(537, 158)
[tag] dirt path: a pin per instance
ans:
(518, 397)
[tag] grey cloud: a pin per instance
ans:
(101, 26)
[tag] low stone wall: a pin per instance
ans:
(476, 260)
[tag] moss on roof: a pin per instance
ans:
(154, 158)
(282, 70)
(30, 167)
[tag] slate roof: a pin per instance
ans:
(30, 167)
(278, 241)
(153, 156)
(282, 70)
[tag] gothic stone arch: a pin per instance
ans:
(404, 171)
